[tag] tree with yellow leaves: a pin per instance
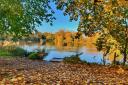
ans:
(99, 15)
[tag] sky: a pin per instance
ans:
(61, 22)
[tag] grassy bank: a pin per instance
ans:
(10, 51)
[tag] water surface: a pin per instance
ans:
(90, 54)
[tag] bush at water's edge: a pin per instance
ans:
(75, 59)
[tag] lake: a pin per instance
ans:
(90, 53)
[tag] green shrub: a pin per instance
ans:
(33, 56)
(18, 51)
(74, 59)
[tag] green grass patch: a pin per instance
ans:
(11, 51)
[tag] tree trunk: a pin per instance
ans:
(126, 43)
(125, 57)
(104, 61)
(125, 52)
(114, 61)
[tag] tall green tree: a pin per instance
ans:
(20, 17)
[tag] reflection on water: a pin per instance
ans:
(90, 54)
